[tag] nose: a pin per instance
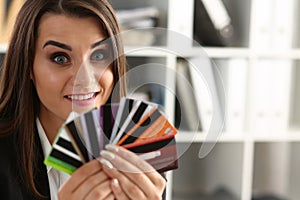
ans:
(84, 78)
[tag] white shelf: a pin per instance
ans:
(273, 54)
(199, 137)
(221, 52)
(213, 52)
(146, 51)
(185, 137)
(291, 136)
(3, 48)
(234, 160)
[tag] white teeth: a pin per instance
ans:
(79, 97)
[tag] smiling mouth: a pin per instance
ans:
(81, 97)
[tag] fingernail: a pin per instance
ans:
(112, 148)
(106, 163)
(108, 155)
(115, 182)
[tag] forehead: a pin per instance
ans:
(70, 29)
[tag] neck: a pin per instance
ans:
(51, 126)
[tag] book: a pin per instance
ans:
(212, 23)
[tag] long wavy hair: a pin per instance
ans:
(19, 103)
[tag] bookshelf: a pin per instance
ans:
(249, 160)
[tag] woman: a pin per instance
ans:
(54, 42)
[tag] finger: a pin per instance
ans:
(125, 185)
(132, 180)
(89, 184)
(130, 157)
(144, 166)
(117, 190)
(111, 196)
(101, 191)
(81, 174)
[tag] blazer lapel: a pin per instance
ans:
(41, 177)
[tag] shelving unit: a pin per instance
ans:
(3, 48)
(238, 160)
(253, 159)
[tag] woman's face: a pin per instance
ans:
(72, 69)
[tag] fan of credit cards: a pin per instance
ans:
(138, 126)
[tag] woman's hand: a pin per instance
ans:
(133, 178)
(87, 182)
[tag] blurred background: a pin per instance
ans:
(253, 47)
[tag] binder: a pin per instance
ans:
(262, 21)
(187, 115)
(270, 80)
(234, 73)
(212, 23)
(210, 96)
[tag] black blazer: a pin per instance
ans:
(11, 186)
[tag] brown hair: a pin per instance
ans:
(19, 103)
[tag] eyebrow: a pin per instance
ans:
(58, 44)
(67, 47)
(105, 40)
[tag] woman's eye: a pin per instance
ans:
(60, 59)
(99, 55)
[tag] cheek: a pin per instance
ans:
(47, 81)
(106, 81)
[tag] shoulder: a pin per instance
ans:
(7, 140)
(9, 168)
(8, 154)
(7, 146)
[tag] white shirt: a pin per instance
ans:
(55, 177)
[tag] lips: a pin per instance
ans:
(82, 99)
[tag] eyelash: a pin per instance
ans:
(54, 56)
(105, 54)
